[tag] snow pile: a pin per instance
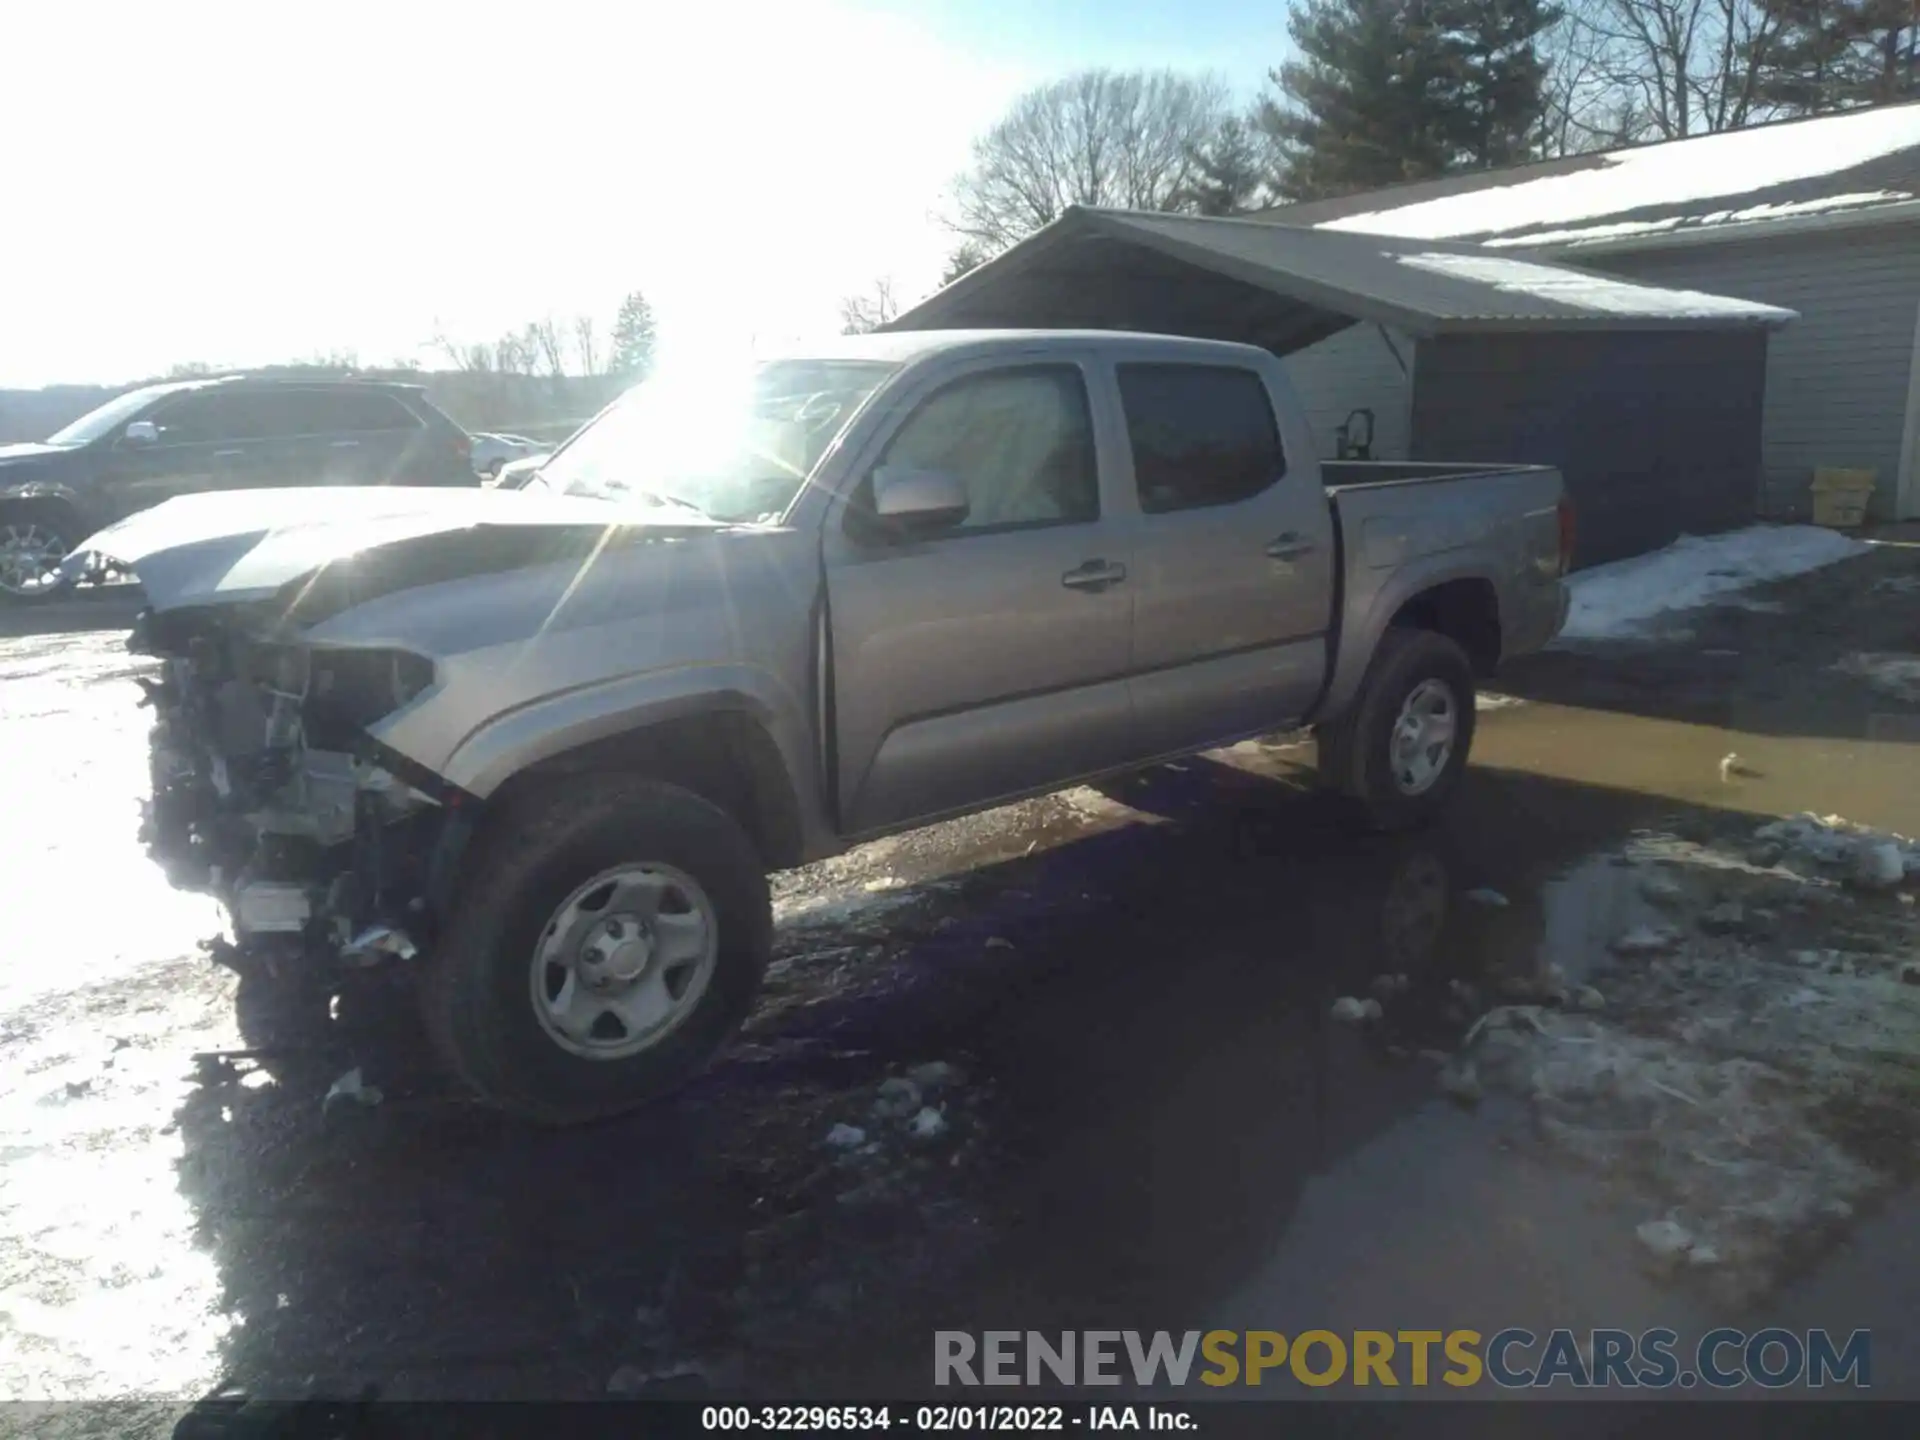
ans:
(1751, 1090)
(1615, 601)
(1736, 162)
(1831, 840)
(1728, 1141)
(1897, 675)
(1587, 292)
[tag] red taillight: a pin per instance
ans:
(1566, 534)
(463, 446)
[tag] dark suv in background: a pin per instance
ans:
(232, 433)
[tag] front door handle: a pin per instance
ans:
(228, 454)
(344, 445)
(1095, 575)
(1290, 546)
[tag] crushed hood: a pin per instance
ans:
(238, 546)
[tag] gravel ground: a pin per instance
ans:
(1117, 1005)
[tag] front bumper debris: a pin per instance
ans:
(269, 793)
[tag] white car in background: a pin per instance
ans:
(492, 451)
(515, 474)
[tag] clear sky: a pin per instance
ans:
(240, 183)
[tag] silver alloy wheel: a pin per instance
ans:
(1422, 740)
(30, 556)
(624, 960)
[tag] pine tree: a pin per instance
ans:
(1388, 91)
(1498, 78)
(1362, 107)
(967, 256)
(1823, 55)
(633, 338)
(1233, 170)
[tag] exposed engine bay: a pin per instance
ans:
(268, 791)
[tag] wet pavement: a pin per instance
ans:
(1150, 1121)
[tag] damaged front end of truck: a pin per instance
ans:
(269, 791)
(294, 630)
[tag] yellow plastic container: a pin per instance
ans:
(1840, 497)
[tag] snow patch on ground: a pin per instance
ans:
(1611, 602)
(1897, 675)
(1750, 1089)
(1736, 162)
(1587, 292)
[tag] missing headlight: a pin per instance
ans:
(348, 690)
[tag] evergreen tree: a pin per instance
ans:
(1363, 106)
(1497, 77)
(633, 338)
(1822, 55)
(967, 256)
(1388, 91)
(1232, 170)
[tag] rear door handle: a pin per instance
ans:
(1290, 546)
(228, 454)
(1095, 575)
(344, 445)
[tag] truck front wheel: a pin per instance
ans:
(1403, 745)
(606, 941)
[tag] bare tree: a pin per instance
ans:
(1099, 138)
(586, 345)
(515, 353)
(548, 344)
(862, 314)
(1662, 69)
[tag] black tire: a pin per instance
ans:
(49, 517)
(475, 991)
(1356, 751)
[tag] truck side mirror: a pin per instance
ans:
(142, 432)
(918, 502)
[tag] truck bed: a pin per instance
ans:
(1400, 531)
(1360, 474)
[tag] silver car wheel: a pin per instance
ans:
(1422, 739)
(30, 556)
(624, 960)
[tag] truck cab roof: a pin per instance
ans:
(904, 346)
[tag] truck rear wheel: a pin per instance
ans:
(605, 943)
(1402, 747)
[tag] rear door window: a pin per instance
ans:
(355, 412)
(1202, 435)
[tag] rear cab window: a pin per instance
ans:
(1202, 435)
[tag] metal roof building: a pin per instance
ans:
(1821, 215)
(1283, 286)
(1647, 397)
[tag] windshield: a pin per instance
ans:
(736, 446)
(104, 419)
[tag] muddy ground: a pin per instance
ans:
(1118, 1005)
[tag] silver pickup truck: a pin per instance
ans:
(545, 745)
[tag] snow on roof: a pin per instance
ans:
(1680, 174)
(1589, 292)
(1629, 229)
